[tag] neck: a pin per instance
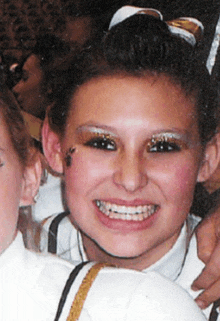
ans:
(95, 253)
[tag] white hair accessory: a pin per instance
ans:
(128, 11)
(187, 28)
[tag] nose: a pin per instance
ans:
(17, 88)
(130, 173)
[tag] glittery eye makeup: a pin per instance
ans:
(100, 139)
(91, 137)
(166, 143)
(96, 138)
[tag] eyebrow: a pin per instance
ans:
(183, 136)
(173, 132)
(96, 129)
(176, 133)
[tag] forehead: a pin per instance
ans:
(105, 98)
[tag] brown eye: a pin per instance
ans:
(103, 143)
(163, 147)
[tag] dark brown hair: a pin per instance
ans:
(140, 46)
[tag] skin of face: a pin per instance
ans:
(13, 188)
(137, 149)
(28, 90)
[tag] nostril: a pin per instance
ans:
(130, 180)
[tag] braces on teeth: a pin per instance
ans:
(132, 213)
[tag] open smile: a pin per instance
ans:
(126, 213)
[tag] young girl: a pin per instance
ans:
(133, 132)
(42, 288)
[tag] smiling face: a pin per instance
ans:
(131, 178)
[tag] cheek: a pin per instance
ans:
(179, 179)
(86, 172)
(10, 194)
(12, 187)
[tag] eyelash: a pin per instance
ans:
(163, 145)
(103, 143)
(156, 145)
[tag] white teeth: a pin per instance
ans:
(112, 215)
(129, 213)
(129, 217)
(108, 206)
(146, 215)
(129, 209)
(113, 208)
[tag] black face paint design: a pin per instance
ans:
(68, 157)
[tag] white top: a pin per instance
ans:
(181, 264)
(140, 296)
(31, 285)
(51, 190)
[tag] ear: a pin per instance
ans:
(51, 147)
(31, 182)
(211, 159)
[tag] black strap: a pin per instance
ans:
(67, 287)
(214, 314)
(53, 229)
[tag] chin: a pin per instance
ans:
(126, 252)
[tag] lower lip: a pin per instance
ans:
(124, 225)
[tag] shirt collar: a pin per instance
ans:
(170, 265)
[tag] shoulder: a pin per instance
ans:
(60, 220)
(54, 227)
(49, 198)
(47, 265)
(59, 236)
(192, 267)
(32, 282)
(131, 295)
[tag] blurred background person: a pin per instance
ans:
(31, 91)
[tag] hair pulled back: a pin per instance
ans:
(140, 46)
